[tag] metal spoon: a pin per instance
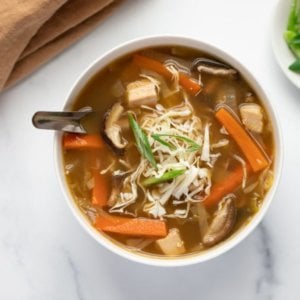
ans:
(73, 121)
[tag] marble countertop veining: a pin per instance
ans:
(45, 254)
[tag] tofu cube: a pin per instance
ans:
(252, 117)
(172, 244)
(141, 92)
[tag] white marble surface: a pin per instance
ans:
(45, 254)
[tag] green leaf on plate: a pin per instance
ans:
(295, 66)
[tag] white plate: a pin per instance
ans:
(281, 50)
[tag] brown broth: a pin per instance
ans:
(98, 94)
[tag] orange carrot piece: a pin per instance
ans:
(131, 226)
(254, 154)
(226, 186)
(151, 64)
(101, 189)
(82, 141)
(189, 85)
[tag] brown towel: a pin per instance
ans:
(34, 31)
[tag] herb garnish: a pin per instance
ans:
(142, 141)
(165, 177)
(193, 145)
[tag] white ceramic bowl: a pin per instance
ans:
(283, 54)
(151, 259)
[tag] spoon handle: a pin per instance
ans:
(62, 121)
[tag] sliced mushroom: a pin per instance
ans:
(124, 123)
(222, 224)
(213, 67)
(117, 183)
(112, 130)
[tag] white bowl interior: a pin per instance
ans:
(235, 238)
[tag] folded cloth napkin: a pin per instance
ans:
(34, 31)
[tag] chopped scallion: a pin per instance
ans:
(142, 141)
(163, 142)
(193, 145)
(165, 177)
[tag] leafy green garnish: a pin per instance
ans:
(193, 145)
(292, 33)
(163, 142)
(295, 66)
(165, 177)
(293, 17)
(295, 40)
(142, 141)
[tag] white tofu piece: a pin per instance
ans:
(252, 117)
(141, 92)
(172, 244)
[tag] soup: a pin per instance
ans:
(184, 157)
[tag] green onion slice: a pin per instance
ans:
(193, 145)
(142, 141)
(165, 177)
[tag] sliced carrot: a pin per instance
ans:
(228, 185)
(82, 141)
(131, 226)
(101, 189)
(252, 151)
(188, 84)
(151, 64)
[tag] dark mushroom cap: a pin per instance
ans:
(222, 224)
(211, 66)
(111, 131)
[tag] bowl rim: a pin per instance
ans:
(161, 40)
